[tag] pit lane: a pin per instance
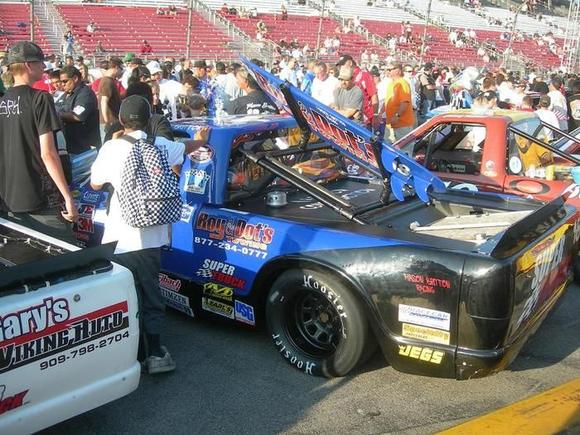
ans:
(232, 381)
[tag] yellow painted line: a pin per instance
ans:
(547, 413)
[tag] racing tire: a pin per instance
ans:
(317, 324)
(576, 268)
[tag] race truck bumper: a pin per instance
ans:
(73, 403)
(472, 363)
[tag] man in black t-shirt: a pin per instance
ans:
(80, 113)
(255, 101)
(32, 183)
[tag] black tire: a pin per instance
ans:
(576, 268)
(317, 324)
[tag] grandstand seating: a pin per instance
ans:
(10, 15)
(350, 43)
(122, 29)
(440, 49)
(302, 23)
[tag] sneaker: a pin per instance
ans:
(157, 364)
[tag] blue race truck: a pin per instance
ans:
(338, 242)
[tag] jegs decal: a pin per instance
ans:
(422, 353)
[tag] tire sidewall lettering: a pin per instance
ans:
(308, 367)
(312, 283)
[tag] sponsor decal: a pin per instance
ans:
(344, 138)
(196, 181)
(85, 219)
(293, 359)
(245, 313)
(421, 353)
(573, 190)
(546, 257)
(312, 283)
(177, 301)
(91, 196)
(8, 403)
(169, 283)
(237, 231)
(43, 330)
(217, 307)
(186, 213)
(271, 89)
(218, 291)
(515, 165)
(424, 316)
(220, 272)
(426, 334)
(461, 186)
(202, 155)
(427, 284)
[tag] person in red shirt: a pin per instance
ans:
(364, 80)
(112, 69)
(146, 47)
(44, 83)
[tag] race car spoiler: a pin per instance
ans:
(346, 137)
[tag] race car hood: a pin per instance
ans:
(350, 139)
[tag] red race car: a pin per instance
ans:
(500, 151)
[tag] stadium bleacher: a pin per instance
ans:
(122, 29)
(11, 14)
(122, 25)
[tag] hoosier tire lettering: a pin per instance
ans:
(317, 323)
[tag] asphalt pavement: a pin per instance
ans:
(232, 381)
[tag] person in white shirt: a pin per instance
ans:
(546, 115)
(231, 87)
(139, 249)
(558, 103)
(323, 85)
(289, 72)
(169, 90)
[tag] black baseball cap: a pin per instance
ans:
(135, 108)
(25, 51)
(199, 64)
(343, 59)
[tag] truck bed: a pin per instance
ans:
(464, 225)
(475, 228)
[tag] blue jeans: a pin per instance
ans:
(426, 106)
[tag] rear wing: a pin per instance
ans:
(519, 235)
